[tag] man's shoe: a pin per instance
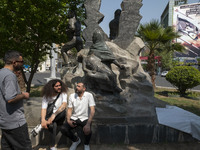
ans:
(86, 147)
(75, 144)
(53, 148)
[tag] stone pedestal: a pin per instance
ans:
(109, 130)
(133, 133)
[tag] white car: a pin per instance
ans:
(164, 73)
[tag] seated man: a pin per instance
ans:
(77, 115)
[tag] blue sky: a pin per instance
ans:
(151, 9)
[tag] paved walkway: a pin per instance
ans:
(164, 146)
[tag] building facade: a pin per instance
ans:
(167, 15)
(185, 18)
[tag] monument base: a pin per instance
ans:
(137, 133)
(110, 130)
(115, 133)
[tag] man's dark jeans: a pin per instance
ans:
(16, 139)
(66, 129)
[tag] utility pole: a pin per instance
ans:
(52, 64)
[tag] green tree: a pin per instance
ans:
(184, 77)
(166, 59)
(156, 38)
(31, 26)
(167, 54)
(1, 63)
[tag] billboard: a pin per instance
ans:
(186, 20)
(180, 2)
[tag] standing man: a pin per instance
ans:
(77, 115)
(12, 120)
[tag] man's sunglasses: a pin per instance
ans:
(20, 61)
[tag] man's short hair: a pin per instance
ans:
(11, 56)
(84, 84)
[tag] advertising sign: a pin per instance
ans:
(186, 20)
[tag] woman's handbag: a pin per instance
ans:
(50, 108)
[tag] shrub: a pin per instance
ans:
(184, 78)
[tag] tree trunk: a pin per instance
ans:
(34, 65)
(151, 67)
(33, 71)
(182, 91)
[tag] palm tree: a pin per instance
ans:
(156, 37)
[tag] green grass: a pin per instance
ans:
(191, 102)
(36, 91)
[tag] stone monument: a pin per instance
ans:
(74, 39)
(92, 21)
(125, 110)
(114, 25)
(97, 66)
(123, 88)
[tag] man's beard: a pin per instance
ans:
(17, 68)
(78, 92)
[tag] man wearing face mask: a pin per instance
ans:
(77, 115)
(12, 120)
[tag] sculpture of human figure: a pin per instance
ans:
(73, 33)
(100, 74)
(114, 25)
(101, 50)
(98, 63)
